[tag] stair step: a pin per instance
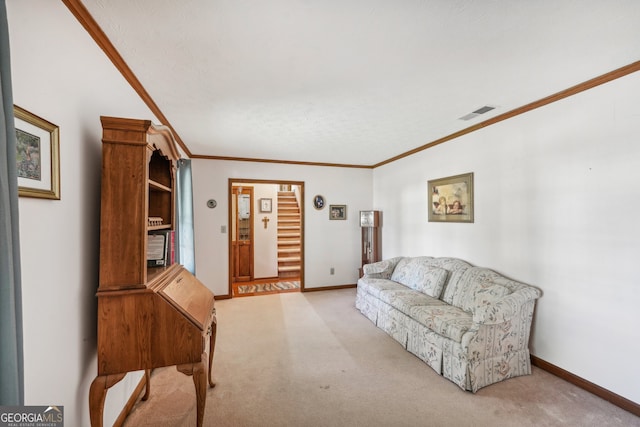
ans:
(291, 275)
(289, 268)
(289, 259)
(289, 243)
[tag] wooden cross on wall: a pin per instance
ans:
(265, 220)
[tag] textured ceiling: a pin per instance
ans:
(356, 81)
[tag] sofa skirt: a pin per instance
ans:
(443, 355)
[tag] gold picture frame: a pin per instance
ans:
(450, 199)
(37, 155)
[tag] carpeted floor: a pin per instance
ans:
(268, 287)
(311, 359)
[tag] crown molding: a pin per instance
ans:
(286, 162)
(91, 26)
(589, 84)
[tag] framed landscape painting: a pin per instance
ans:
(451, 199)
(37, 156)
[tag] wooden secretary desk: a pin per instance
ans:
(147, 317)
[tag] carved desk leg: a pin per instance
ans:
(147, 378)
(97, 394)
(212, 346)
(199, 372)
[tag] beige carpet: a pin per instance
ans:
(311, 359)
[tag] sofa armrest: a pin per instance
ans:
(505, 308)
(381, 269)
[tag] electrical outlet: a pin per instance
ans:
(223, 229)
(332, 270)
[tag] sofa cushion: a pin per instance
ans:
(403, 268)
(418, 274)
(405, 299)
(455, 267)
(374, 286)
(444, 319)
(478, 287)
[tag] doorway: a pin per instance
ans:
(266, 238)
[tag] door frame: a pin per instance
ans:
(239, 181)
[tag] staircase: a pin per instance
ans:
(288, 235)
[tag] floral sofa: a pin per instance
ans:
(470, 324)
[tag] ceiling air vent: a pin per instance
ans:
(476, 113)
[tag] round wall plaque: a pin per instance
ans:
(318, 202)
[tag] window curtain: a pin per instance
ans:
(11, 353)
(185, 245)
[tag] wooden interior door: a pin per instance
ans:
(242, 237)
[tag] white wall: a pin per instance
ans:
(265, 239)
(328, 243)
(556, 202)
(60, 74)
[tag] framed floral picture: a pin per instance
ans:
(37, 156)
(451, 199)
